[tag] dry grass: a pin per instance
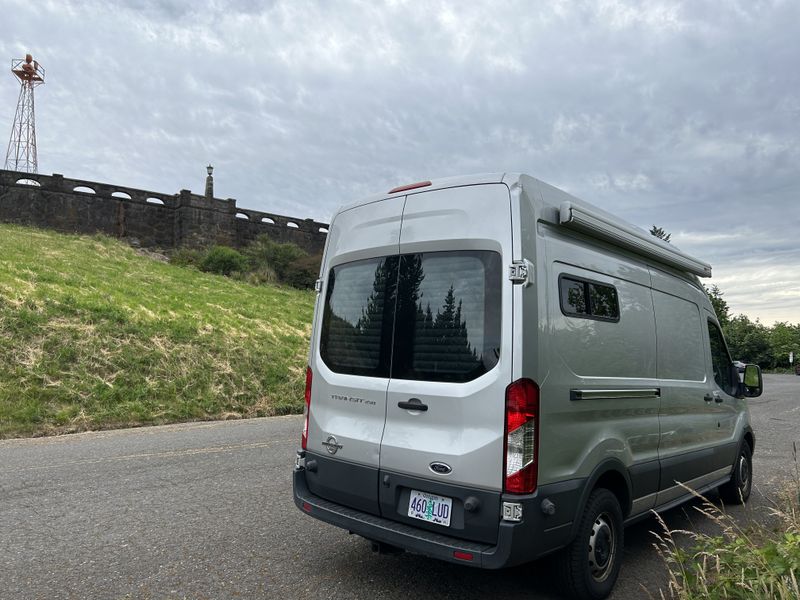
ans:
(758, 562)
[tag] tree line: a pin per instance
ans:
(754, 342)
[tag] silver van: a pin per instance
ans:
(500, 371)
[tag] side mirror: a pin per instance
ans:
(752, 384)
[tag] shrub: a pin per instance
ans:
(260, 276)
(263, 261)
(303, 272)
(187, 257)
(265, 252)
(223, 261)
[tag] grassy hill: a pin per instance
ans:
(93, 335)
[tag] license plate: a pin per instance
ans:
(430, 508)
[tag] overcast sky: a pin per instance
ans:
(680, 114)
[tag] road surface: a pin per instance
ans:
(204, 510)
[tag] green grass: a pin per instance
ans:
(95, 335)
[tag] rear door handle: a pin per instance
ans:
(413, 404)
(708, 397)
(717, 397)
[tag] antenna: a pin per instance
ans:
(21, 153)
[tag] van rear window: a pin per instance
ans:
(356, 325)
(432, 316)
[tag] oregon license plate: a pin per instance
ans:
(430, 507)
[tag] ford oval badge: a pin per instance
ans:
(440, 468)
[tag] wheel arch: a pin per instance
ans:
(612, 475)
(750, 438)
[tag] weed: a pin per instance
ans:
(758, 563)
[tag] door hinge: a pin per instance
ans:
(520, 272)
(318, 285)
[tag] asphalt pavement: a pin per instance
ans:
(204, 510)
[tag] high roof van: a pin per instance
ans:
(500, 371)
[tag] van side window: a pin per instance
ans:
(720, 360)
(588, 299)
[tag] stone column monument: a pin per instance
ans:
(209, 183)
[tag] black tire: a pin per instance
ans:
(589, 566)
(737, 490)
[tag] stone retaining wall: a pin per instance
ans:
(154, 219)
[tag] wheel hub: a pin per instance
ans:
(602, 547)
(744, 472)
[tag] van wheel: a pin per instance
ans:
(737, 490)
(589, 566)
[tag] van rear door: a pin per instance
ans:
(445, 412)
(351, 353)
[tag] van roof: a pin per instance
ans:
(436, 184)
(571, 212)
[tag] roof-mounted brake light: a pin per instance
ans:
(410, 186)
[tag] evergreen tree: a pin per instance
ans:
(372, 313)
(720, 306)
(408, 313)
(451, 334)
(660, 233)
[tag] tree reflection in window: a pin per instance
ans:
(581, 298)
(441, 342)
(460, 340)
(356, 324)
(603, 301)
(721, 360)
(379, 320)
(573, 296)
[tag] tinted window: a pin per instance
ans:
(721, 360)
(448, 316)
(603, 301)
(357, 319)
(573, 297)
(445, 308)
(582, 298)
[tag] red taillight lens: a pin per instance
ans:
(307, 409)
(522, 437)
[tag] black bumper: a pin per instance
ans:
(536, 535)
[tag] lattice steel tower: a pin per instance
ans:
(21, 153)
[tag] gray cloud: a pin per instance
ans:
(681, 114)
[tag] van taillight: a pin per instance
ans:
(307, 409)
(522, 437)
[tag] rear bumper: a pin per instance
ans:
(536, 535)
